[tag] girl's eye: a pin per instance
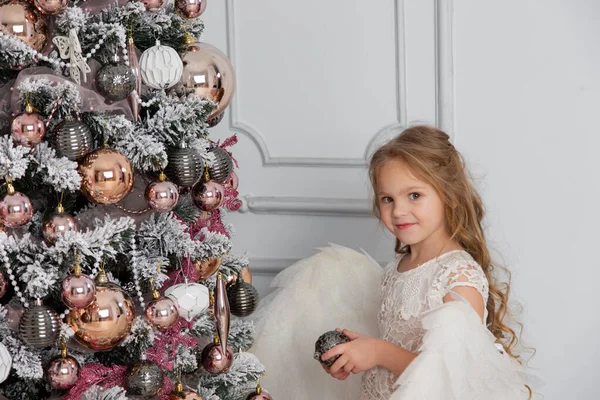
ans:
(386, 199)
(414, 196)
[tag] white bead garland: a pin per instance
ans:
(59, 63)
(144, 103)
(12, 277)
(136, 277)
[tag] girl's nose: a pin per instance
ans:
(399, 210)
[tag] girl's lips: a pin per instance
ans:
(404, 226)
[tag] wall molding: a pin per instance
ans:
(444, 66)
(325, 162)
(306, 206)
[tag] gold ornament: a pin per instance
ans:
(107, 321)
(210, 74)
(20, 19)
(106, 176)
(207, 268)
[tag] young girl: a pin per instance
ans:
(441, 331)
(440, 300)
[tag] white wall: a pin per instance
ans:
(517, 85)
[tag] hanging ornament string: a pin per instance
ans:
(11, 275)
(136, 276)
(139, 212)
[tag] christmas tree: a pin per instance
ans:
(116, 276)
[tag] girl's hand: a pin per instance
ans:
(341, 375)
(358, 355)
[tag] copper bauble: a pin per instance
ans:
(190, 8)
(28, 129)
(51, 6)
(3, 284)
(154, 4)
(207, 268)
(58, 223)
(207, 196)
(20, 19)
(78, 291)
(107, 321)
(63, 372)
(210, 74)
(213, 360)
(162, 195)
(162, 313)
(106, 176)
(15, 210)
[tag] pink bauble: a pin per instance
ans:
(162, 195)
(51, 6)
(213, 359)
(63, 372)
(78, 291)
(154, 4)
(162, 313)
(57, 224)
(16, 210)
(28, 129)
(190, 8)
(233, 181)
(207, 196)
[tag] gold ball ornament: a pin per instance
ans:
(106, 176)
(21, 20)
(259, 394)
(210, 74)
(207, 268)
(107, 321)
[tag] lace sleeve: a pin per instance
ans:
(467, 275)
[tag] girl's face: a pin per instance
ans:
(410, 208)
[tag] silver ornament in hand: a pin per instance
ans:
(326, 342)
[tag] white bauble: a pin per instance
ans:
(191, 299)
(5, 363)
(160, 66)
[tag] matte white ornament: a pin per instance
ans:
(160, 66)
(5, 363)
(191, 299)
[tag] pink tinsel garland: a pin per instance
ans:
(94, 374)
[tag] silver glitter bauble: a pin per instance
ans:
(39, 326)
(115, 81)
(72, 139)
(144, 379)
(243, 298)
(185, 166)
(222, 165)
(326, 342)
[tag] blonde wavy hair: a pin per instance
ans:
(432, 158)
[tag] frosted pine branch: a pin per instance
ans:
(60, 173)
(14, 160)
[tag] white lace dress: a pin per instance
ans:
(405, 296)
